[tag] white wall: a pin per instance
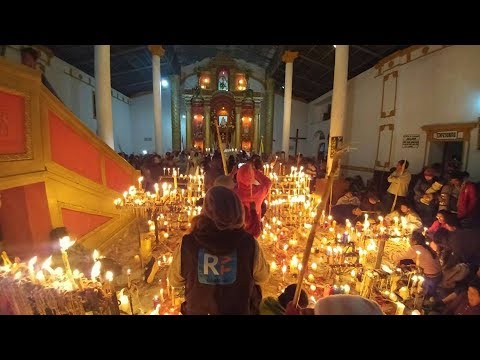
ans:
(316, 109)
(75, 89)
(141, 115)
(299, 118)
(438, 88)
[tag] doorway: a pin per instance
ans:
(447, 153)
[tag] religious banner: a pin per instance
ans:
(411, 141)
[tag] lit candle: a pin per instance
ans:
(96, 270)
(109, 279)
(284, 270)
(400, 308)
(31, 269)
(156, 301)
(65, 244)
(78, 278)
(140, 179)
(417, 261)
(174, 178)
(162, 299)
(380, 219)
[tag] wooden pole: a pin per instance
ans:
(381, 250)
(311, 236)
(398, 185)
(220, 148)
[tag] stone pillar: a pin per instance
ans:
(208, 128)
(103, 94)
(188, 125)
(157, 51)
(269, 109)
(339, 99)
(256, 128)
(288, 58)
(238, 127)
(176, 132)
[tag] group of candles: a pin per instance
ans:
(61, 278)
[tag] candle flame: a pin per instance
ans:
(96, 270)
(40, 276)
(58, 272)
(140, 179)
(76, 274)
(32, 262)
(47, 263)
(109, 276)
(96, 255)
(66, 243)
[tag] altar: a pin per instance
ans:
(222, 97)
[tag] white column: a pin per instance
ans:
(288, 58)
(339, 99)
(157, 51)
(103, 94)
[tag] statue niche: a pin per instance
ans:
(223, 112)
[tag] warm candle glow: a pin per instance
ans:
(66, 243)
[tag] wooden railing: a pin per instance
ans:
(42, 141)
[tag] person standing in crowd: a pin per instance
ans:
(214, 170)
(219, 263)
(311, 171)
(427, 260)
(399, 181)
(467, 302)
(467, 205)
(459, 245)
(410, 215)
(252, 189)
(348, 199)
(426, 196)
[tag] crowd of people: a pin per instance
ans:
(215, 271)
(449, 207)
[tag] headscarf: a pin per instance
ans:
(345, 304)
(224, 208)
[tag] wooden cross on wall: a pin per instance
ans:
(296, 138)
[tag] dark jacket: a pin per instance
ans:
(218, 270)
(460, 306)
(464, 247)
(340, 213)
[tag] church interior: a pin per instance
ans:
(239, 180)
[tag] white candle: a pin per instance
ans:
(417, 262)
(400, 308)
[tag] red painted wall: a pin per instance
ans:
(25, 219)
(79, 223)
(72, 151)
(117, 178)
(12, 124)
